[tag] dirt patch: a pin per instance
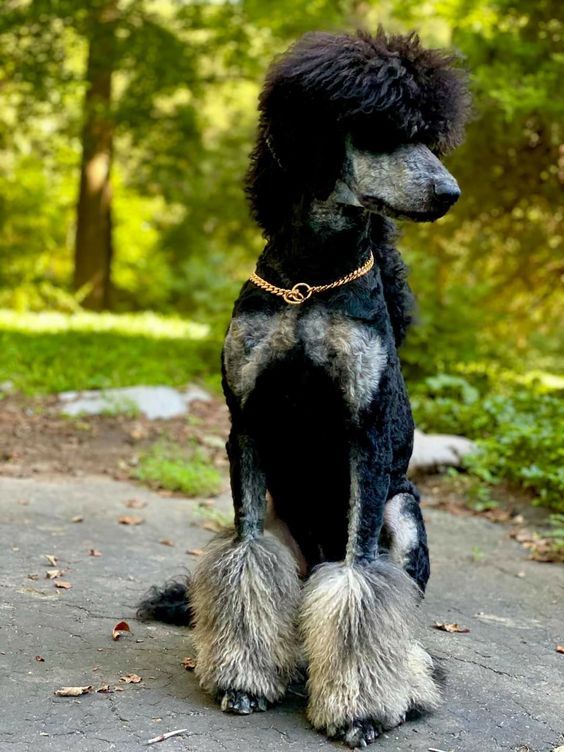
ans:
(35, 439)
(529, 525)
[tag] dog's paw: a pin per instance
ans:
(361, 733)
(358, 733)
(241, 703)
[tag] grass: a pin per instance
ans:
(43, 353)
(164, 466)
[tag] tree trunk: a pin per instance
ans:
(93, 248)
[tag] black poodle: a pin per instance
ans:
(351, 133)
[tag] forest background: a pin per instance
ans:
(125, 128)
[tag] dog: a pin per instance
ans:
(351, 131)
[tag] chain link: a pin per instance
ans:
(301, 291)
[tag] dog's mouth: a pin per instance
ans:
(378, 206)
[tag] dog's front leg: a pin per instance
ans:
(366, 669)
(246, 591)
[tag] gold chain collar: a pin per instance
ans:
(301, 291)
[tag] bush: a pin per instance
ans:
(516, 426)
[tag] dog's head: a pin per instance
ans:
(364, 118)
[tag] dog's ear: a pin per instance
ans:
(300, 144)
(298, 122)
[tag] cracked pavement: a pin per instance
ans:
(505, 681)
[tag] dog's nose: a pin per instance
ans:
(446, 192)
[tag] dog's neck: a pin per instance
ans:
(322, 241)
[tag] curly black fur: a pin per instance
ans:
(326, 85)
(169, 603)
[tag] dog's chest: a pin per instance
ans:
(351, 352)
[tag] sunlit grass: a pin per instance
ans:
(144, 324)
(165, 466)
(50, 352)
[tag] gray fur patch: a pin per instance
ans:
(254, 340)
(354, 510)
(245, 598)
(401, 528)
(327, 217)
(401, 179)
(351, 352)
(358, 625)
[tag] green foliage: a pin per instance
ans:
(187, 76)
(517, 428)
(186, 82)
(44, 353)
(165, 466)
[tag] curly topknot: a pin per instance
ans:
(386, 88)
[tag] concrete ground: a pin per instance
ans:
(505, 686)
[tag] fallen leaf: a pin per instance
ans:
(51, 559)
(94, 552)
(135, 504)
(52, 574)
(104, 688)
(119, 689)
(521, 535)
(546, 550)
(73, 691)
(130, 679)
(166, 542)
(33, 577)
(39, 659)
(120, 629)
(496, 515)
(450, 627)
(77, 518)
(63, 585)
(559, 648)
(195, 551)
(130, 519)
(189, 663)
(138, 432)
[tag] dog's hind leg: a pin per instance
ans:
(366, 669)
(405, 538)
(245, 596)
